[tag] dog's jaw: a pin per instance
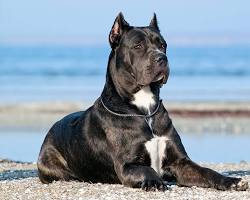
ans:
(144, 99)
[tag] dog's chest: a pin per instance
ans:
(144, 99)
(156, 149)
(156, 146)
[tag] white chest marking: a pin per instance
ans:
(156, 149)
(144, 98)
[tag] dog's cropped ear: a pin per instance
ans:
(117, 30)
(154, 23)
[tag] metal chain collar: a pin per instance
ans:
(132, 115)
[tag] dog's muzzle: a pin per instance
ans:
(161, 69)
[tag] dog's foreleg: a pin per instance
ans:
(177, 164)
(138, 176)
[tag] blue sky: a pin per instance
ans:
(62, 20)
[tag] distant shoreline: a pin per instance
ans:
(183, 109)
(189, 117)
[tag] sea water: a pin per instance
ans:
(77, 73)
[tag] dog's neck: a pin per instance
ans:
(144, 101)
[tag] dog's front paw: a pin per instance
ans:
(153, 185)
(240, 185)
(229, 183)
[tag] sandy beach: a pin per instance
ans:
(20, 181)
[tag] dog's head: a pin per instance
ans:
(138, 55)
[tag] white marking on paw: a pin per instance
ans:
(144, 98)
(156, 149)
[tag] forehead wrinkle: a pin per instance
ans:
(145, 33)
(136, 34)
(153, 34)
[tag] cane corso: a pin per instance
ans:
(127, 136)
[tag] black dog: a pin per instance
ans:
(127, 136)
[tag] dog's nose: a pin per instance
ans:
(160, 59)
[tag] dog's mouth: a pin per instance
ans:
(160, 78)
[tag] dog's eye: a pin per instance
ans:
(138, 46)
